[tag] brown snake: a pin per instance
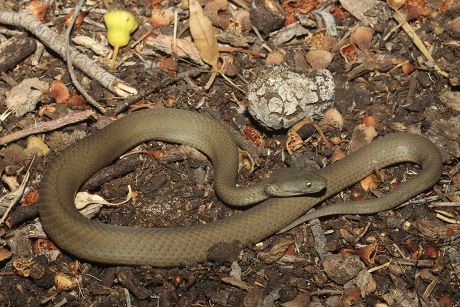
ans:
(95, 241)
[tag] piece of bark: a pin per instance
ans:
(24, 19)
(22, 214)
(117, 170)
(20, 245)
(47, 126)
(15, 50)
(125, 278)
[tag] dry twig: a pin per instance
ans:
(154, 88)
(17, 194)
(401, 19)
(47, 126)
(73, 77)
(26, 20)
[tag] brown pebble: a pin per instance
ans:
(342, 268)
(357, 194)
(274, 57)
(336, 140)
(430, 251)
(178, 280)
(408, 68)
(369, 121)
(319, 59)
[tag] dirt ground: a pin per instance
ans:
(384, 83)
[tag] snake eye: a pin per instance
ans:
(308, 184)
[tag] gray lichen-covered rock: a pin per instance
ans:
(280, 97)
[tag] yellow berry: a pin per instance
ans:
(120, 24)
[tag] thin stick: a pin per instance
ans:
(264, 45)
(242, 50)
(401, 19)
(114, 57)
(444, 204)
(26, 20)
(174, 46)
(74, 79)
(447, 219)
(47, 126)
(379, 267)
(133, 99)
(17, 194)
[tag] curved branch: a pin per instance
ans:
(26, 20)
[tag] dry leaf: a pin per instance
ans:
(218, 12)
(242, 19)
(24, 97)
(277, 251)
(22, 266)
(359, 8)
(369, 121)
(362, 135)
(39, 9)
(78, 21)
(90, 204)
(59, 91)
(30, 197)
(64, 282)
(5, 254)
(36, 146)
(454, 25)
(203, 34)
(348, 52)
(361, 37)
(246, 161)
(369, 183)
(302, 299)
(337, 155)
(322, 40)
(75, 100)
(451, 99)
(184, 48)
(90, 43)
(395, 4)
(332, 119)
(169, 65)
(161, 17)
(274, 57)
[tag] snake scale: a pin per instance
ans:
(98, 242)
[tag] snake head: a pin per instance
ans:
(294, 182)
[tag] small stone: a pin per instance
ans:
(342, 268)
(318, 59)
(274, 57)
(280, 97)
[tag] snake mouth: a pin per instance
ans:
(275, 190)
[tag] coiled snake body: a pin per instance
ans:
(98, 242)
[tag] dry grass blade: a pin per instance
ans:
(400, 18)
(203, 34)
(17, 194)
